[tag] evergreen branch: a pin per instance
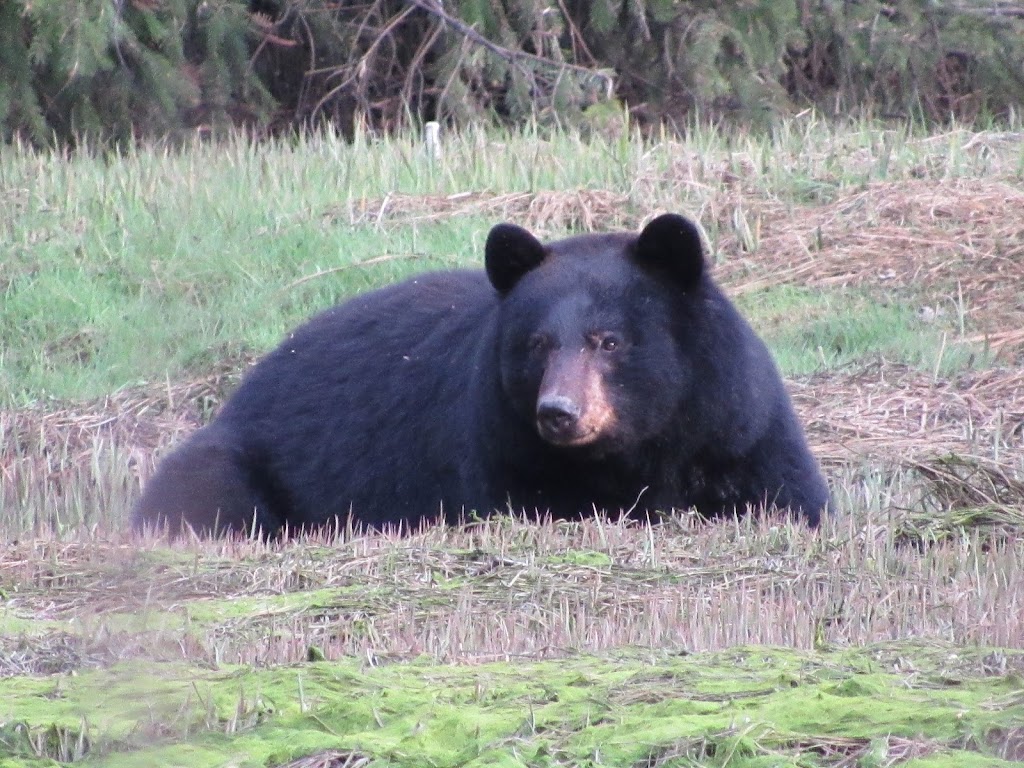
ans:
(515, 58)
(357, 71)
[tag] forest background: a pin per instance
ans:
(121, 70)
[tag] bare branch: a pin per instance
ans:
(516, 58)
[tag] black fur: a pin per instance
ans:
(420, 400)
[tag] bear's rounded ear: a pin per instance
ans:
(510, 253)
(671, 243)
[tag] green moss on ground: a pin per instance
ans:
(743, 707)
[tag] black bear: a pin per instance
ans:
(599, 372)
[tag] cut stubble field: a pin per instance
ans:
(884, 268)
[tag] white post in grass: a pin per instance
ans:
(432, 139)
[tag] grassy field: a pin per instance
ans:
(885, 267)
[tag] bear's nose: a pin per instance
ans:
(557, 417)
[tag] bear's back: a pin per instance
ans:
(326, 415)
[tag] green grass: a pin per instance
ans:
(128, 269)
(814, 330)
(131, 269)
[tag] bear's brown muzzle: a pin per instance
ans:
(573, 407)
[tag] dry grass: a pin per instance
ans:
(546, 213)
(963, 240)
(503, 590)
(834, 751)
(333, 758)
(896, 414)
(885, 413)
(51, 444)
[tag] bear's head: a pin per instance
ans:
(595, 344)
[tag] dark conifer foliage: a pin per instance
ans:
(118, 70)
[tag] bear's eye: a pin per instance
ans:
(537, 342)
(610, 343)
